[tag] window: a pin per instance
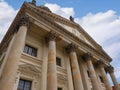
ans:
(59, 88)
(30, 50)
(88, 73)
(24, 85)
(101, 79)
(58, 61)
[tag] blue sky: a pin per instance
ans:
(100, 18)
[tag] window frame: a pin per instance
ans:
(30, 50)
(58, 61)
(25, 84)
(59, 88)
(101, 79)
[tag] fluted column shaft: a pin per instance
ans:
(10, 70)
(78, 85)
(105, 79)
(93, 77)
(52, 73)
(110, 69)
(100, 64)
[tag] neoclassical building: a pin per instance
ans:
(44, 51)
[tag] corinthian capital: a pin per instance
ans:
(110, 69)
(71, 48)
(52, 36)
(87, 56)
(100, 63)
(24, 21)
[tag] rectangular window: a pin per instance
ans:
(58, 61)
(24, 85)
(59, 88)
(30, 50)
(88, 73)
(101, 79)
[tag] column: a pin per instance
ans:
(52, 73)
(44, 68)
(69, 74)
(100, 65)
(88, 57)
(110, 69)
(6, 55)
(77, 80)
(9, 73)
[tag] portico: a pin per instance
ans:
(45, 51)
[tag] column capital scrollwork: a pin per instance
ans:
(24, 21)
(71, 48)
(100, 63)
(52, 36)
(110, 69)
(87, 56)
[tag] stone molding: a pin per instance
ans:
(110, 69)
(71, 48)
(87, 56)
(33, 2)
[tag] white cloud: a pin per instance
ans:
(101, 26)
(7, 14)
(63, 11)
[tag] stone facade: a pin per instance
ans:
(36, 39)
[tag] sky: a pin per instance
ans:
(100, 18)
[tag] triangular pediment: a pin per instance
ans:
(76, 31)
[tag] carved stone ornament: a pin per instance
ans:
(52, 36)
(71, 19)
(110, 69)
(71, 48)
(24, 21)
(33, 2)
(87, 56)
(100, 63)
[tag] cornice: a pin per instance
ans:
(52, 15)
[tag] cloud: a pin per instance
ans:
(7, 14)
(63, 11)
(101, 26)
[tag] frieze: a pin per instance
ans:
(29, 69)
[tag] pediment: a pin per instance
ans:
(77, 33)
(29, 68)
